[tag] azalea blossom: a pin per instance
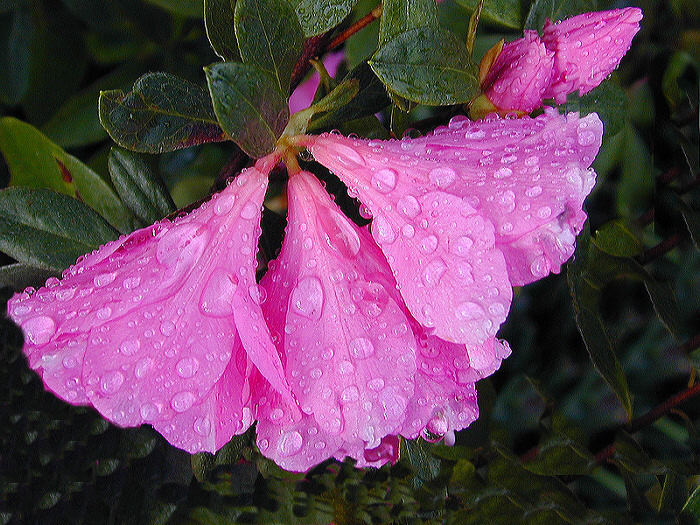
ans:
(355, 335)
(575, 54)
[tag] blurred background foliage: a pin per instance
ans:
(592, 419)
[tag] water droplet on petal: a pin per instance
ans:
(434, 272)
(224, 204)
(350, 394)
(131, 283)
(217, 296)
(361, 348)
(307, 298)
(469, 310)
(167, 328)
(290, 443)
(148, 411)
(187, 367)
(462, 245)
(111, 382)
(428, 244)
(250, 211)
(143, 366)
(375, 384)
(103, 279)
(534, 191)
(182, 401)
(202, 426)
(130, 346)
(384, 180)
(382, 230)
(442, 177)
(409, 206)
(66, 294)
(39, 329)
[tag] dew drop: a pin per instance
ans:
(428, 244)
(534, 191)
(250, 211)
(167, 328)
(290, 443)
(39, 329)
(130, 346)
(375, 384)
(217, 296)
(103, 279)
(434, 272)
(307, 298)
(148, 411)
(462, 245)
(224, 204)
(131, 283)
(361, 348)
(409, 206)
(382, 230)
(182, 401)
(202, 426)
(442, 177)
(66, 294)
(187, 367)
(111, 382)
(143, 366)
(469, 310)
(350, 394)
(384, 180)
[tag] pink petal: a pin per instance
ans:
(518, 78)
(587, 48)
(348, 350)
(526, 177)
(144, 327)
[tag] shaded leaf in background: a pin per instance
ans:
(270, 37)
(50, 167)
(16, 29)
(248, 105)
(48, 230)
(691, 508)
(188, 8)
(399, 16)
(319, 16)
(542, 10)
(370, 98)
(417, 453)
(505, 13)
(218, 21)
(617, 239)
(161, 113)
(19, 275)
(608, 100)
(140, 188)
(427, 65)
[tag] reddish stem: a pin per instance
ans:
(357, 26)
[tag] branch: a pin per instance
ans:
(660, 249)
(370, 17)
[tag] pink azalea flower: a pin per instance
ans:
(576, 54)
(355, 335)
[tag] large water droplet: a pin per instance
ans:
(130, 283)
(348, 156)
(148, 411)
(434, 272)
(384, 180)
(39, 329)
(224, 204)
(307, 298)
(375, 384)
(409, 206)
(382, 230)
(187, 367)
(103, 279)
(182, 401)
(350, 394)
(290, 443)
(469, 310)
(442, 177)
(217, 296)
(111, 382)
(143, 366)
(167, 328)
(202, 426)
(338, 232)
(428, 244)
(461, 245)
(130, 346)
(361, 348)
(250, 211)
(181, 245)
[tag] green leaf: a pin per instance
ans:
(319, 16)
(16, 32)
(555, 10)
(616, 238)
(187, 8)
(48, 230)
(270, 37)
(505, 13)
(399, 16)
(673, 494)
(161, 113)
(560, 455)
(691, 508)
(370, 98)
(427, 65)
(248, 105)
(417, 453)
(608, 101)
(19, 275)
(218, 21)
(141, 190)
(50, 167)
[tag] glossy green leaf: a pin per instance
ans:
(16, 30)
(188, 8)
(19, 275)
(416, 452)
(50, 167)
(218, 21)
(608, 101)
(617, 239)
(248, 105)
(139, 187)
(270, 37)
(555, 10)
(691, 508)
(49, 230)
(399, 16)
(427, 65)
(319, 16)
(559, 455)
(504, 13)
(161, 113)
(370, 98)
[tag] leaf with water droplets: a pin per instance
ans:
(248, 105)
(541, 10)
(319, 16)
(270, 37)
(48, 230)
(161, 113)
(505, 13)
(427, 65)
(399, 16)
